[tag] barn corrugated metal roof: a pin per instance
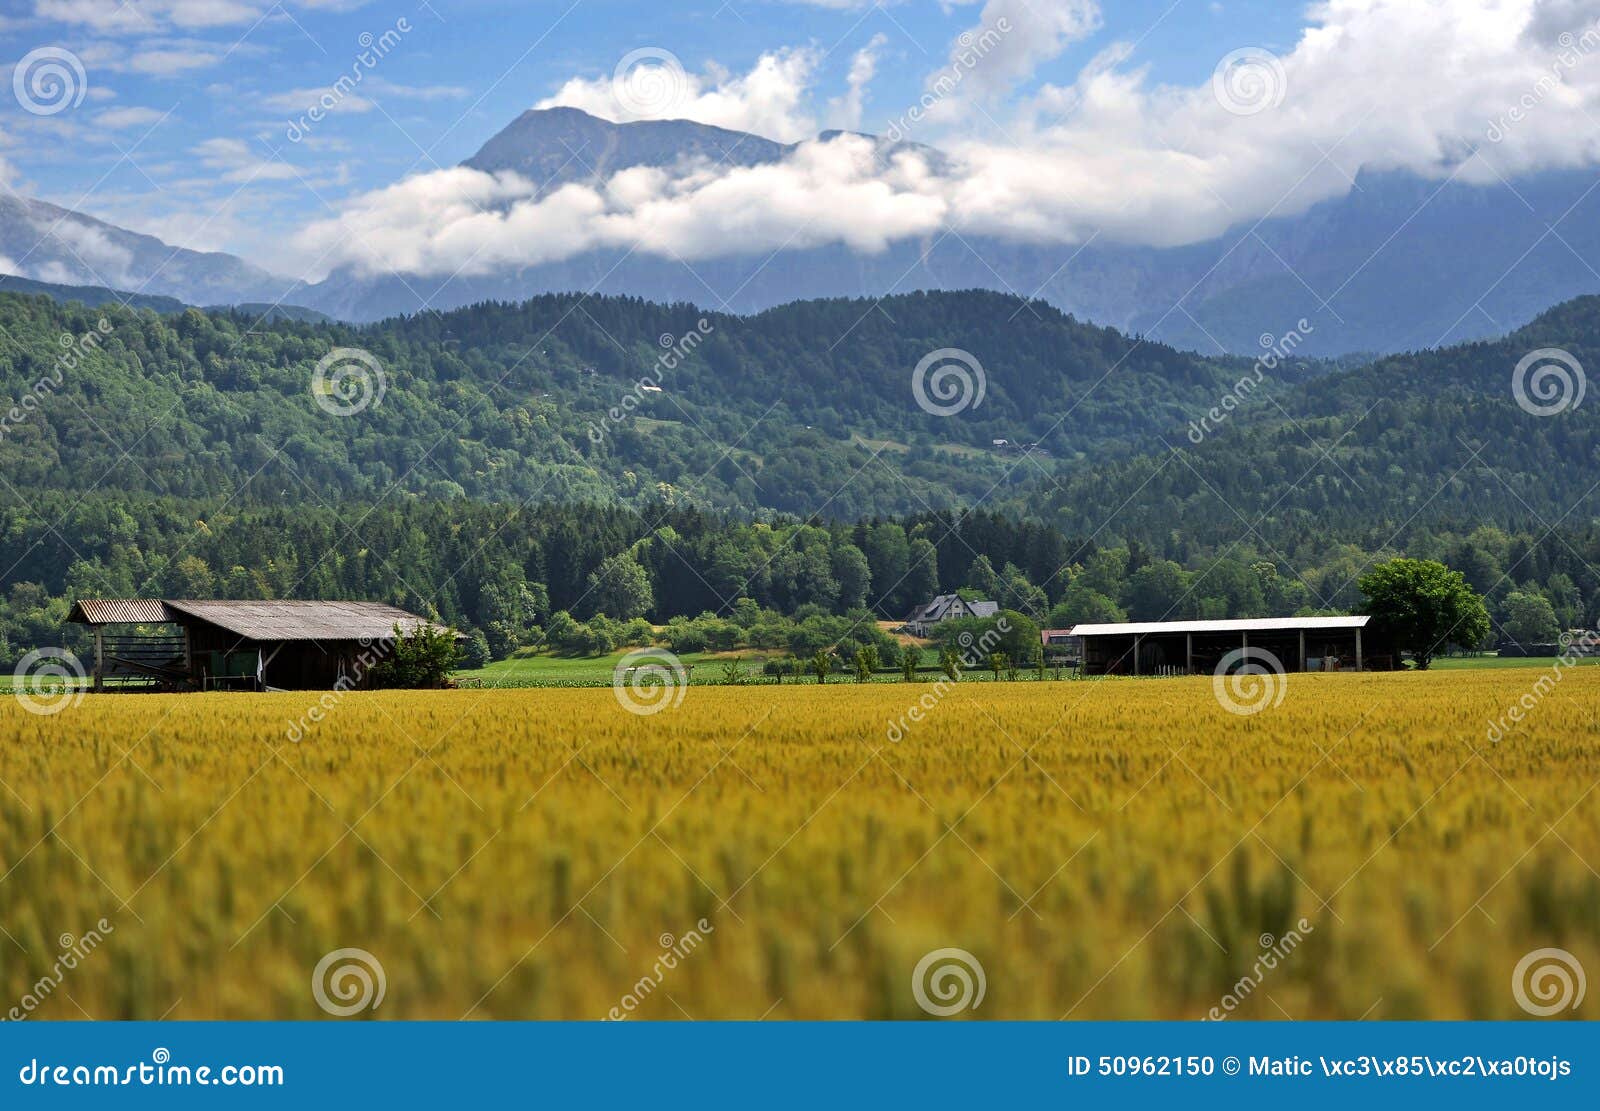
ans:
(1245, 625)
(282, 619)
(118, 611)
(303, 620)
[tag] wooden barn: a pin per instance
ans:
(1199, 647)
(249, 645)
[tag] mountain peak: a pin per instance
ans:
(555, 146)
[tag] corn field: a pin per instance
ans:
(1120, 849)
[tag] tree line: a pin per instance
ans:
(572, 578)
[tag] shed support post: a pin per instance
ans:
(1188, 653)
(1358, 649)
(99, 659)
(1136, 641)
(1302, 649)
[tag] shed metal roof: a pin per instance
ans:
(281, 619)
(304, 620)
(118, 611)
(1246, 625)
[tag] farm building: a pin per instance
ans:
(946, 607)
(250, 645)
(1196, 647)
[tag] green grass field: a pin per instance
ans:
(1467, 663)
(547, 670)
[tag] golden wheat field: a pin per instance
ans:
(1103, 850)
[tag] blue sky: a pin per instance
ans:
(183, 121)
(181, 95)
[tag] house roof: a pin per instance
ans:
(936, 609)
(1247, 625)
(282, 619)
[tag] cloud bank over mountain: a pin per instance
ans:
(1468, 90)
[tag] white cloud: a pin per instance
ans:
(122, 119)
(769, 100)
(238, 163)
(301, 100)
(1474, 88)
(138, 17)
(383, 86)
(1024, 34)
(145, 16)
(332, 99)
(845, 111)
(152, 57)
(462, 220)
(90, 247)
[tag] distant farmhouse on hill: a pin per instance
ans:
(946, 607)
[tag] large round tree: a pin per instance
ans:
(620, 588)
(1420, 606)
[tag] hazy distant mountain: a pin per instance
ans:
(46, 243)
(94, 295)
(91, 295)
(1402, 262)
(1399, 263)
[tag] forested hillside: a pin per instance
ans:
(807, 408)
(783, 469)
(1422, 439)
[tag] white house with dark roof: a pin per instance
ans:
(946, 607)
